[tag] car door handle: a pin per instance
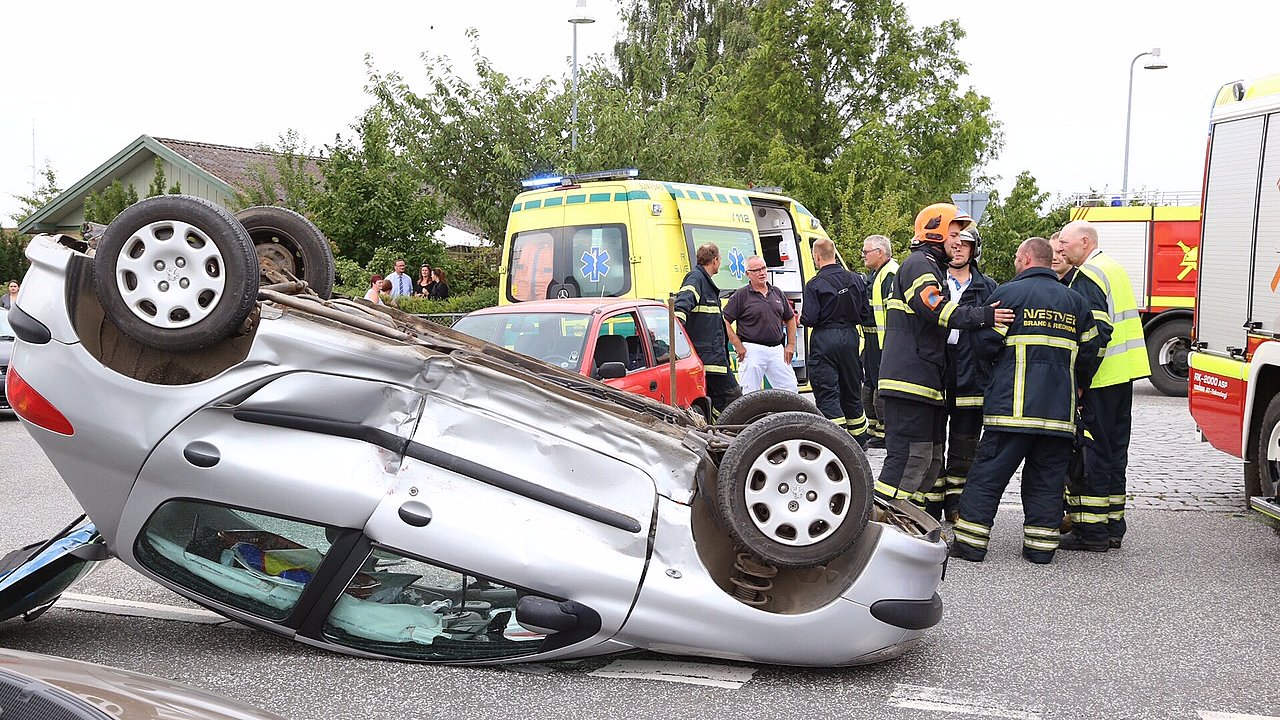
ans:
(653, 384)
(415, 513)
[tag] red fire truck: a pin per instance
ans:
(1156, 237)
(1235, 358)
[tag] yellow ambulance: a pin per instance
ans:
(612, 234)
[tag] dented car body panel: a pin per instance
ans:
(418, 494)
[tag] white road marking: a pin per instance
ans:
(135, 608)
(918, 697)
(721, 676)
(1211, 715)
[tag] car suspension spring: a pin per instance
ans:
(753, 579)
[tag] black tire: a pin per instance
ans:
(764, 490)
(755, 405)
(293, 243)
(1172, 340)
(1263, 479)
(156, 296)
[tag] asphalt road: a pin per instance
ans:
(1181, 623)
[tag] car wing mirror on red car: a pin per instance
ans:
(611, 371)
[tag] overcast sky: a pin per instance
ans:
(90, 77)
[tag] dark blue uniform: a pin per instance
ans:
(1040, 360)
(835, 303)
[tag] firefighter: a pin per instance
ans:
(1047, 353)
(1097, 510)
(967, 379)
(919, 317)
(835, 303)
(877, 253)
(698, 308)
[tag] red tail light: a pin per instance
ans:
(32, 407)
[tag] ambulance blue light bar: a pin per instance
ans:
(543, 181)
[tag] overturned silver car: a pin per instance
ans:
(368, 482)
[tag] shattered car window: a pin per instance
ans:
(257, 563)
(424, 612)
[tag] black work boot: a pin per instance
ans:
(1071, 541)
(967, 552)
(1039, 557)
(1114, 543)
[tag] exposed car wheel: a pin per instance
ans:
(292, 243)
(176, 272)
(794, 489)
(1167, 349)
(755, 405)
(1265, 480)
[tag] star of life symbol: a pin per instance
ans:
(595, 264)
(737, 263)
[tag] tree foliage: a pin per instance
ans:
(157, 186)
(288, 179)
(103, 207)
(376, 197)
(1009, 221)
(39, 197)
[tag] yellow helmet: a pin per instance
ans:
(933, 223)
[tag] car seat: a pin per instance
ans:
(611, 348)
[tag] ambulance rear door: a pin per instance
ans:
(721, 216)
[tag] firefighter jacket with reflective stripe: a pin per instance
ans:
(880, 285)
(834, 297)
(919, 316)
(1049, 351)
(969, 375)
(1124, 357)
(698, 307)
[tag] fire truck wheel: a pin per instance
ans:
(1266, 460)
(1167, 348)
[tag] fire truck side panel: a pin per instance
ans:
(1265, 312)
(1174, 263)
(1126, 243)
(1230, 199)
(1218, 398)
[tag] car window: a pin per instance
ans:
(598, 256)
(657, 323)
(556, 338)
(6, 330)
(630, 350)
(257, 563)
(532, 264)
(420, 611)
(735, 247)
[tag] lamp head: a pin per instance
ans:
(581, 15)
(1155, 64)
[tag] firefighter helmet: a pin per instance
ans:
(970, 234)
(933, 223)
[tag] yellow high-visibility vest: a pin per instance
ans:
(1125, 358)
(877, 300)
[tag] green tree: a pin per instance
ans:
(473, 143)
(157, 186)
(1010, 220)
(39, 197)
(289, 179)
(666, 39)
(375, 197)
(103, 207)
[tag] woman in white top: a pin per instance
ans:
(374, 294)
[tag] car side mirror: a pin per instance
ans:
(611, 371)
(93, 552)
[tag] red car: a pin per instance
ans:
(623, 342)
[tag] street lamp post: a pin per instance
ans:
(1155, 64)
(580, 16)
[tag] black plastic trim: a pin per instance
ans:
(909, 614)
(447, 461)
(588, 626)
(344, 558)
(27, 328)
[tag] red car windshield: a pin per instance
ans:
(555, 338)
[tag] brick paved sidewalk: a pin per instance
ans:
(1169, 468)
